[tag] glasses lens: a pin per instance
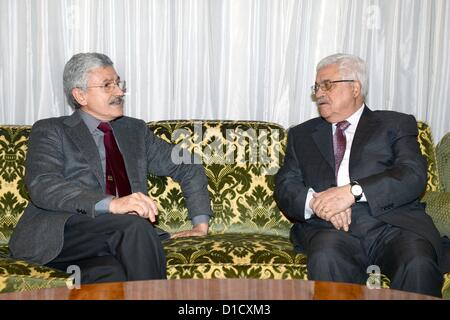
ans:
(327, 84)
(111, 86)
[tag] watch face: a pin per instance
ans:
(357, 190)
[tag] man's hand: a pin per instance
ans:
(198, 230)
(330, 202)
(342, 220)
(136, 203)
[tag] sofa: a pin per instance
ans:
(249, 236)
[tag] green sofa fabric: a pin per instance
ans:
(438, 202)
(249, 236)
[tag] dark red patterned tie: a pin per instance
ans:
(116, 174)
(339, 144)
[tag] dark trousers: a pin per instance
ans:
(111, 248)
(406, 258)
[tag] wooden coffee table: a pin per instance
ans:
(217, 289)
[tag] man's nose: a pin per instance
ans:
(118, 91)
(319, 93)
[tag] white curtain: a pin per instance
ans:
(226, 59)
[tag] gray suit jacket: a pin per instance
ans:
(385, 159)
(64, 177)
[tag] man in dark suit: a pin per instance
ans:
(351, 182)
(87, 179)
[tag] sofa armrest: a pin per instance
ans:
(438, 207)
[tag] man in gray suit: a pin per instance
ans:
(87, 179)
(351, 182)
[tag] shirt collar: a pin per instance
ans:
(354, 118)
(90, 121)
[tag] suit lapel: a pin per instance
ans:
(367, 126)
(323, 138)
(82, 138)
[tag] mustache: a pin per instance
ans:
(118, 100)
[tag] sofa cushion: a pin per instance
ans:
(446, 287)
(18, 275)
(438, 202)
(438, 208)
(234, 256)
(443, 157)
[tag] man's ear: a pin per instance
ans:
(79, 96)
(356, 89)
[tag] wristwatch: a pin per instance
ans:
(356, 190)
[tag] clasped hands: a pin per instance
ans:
(142, 205)
(334, 205)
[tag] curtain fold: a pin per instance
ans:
(226, 59)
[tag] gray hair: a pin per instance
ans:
(349, 66)
(77, 70)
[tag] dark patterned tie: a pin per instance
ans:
(339, 144)
(116, 174)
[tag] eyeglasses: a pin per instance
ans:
(326, 85)
(110, 86)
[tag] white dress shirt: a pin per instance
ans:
(343, 176)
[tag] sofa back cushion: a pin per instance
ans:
(443, 158)
(13, 194)
(240, 160)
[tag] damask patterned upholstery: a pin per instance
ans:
(16, 275)
(248, 234)
(425, 139)
(240, 172)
